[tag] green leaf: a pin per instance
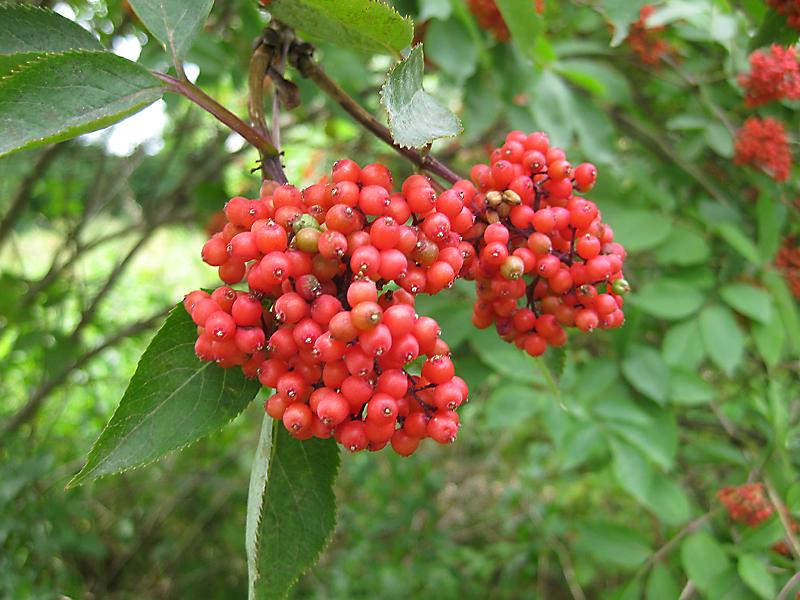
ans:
(415, 117)
(298, 510)
(60, 96)
(687, 388)
(450, 47)
(364, 25)
(683, 346)
(748, 300)
(787, 308)
(661, 584)
(504, 358)
(736, 238)
(774, 30)
(621, 13)
(703, 559)
(723, 340)
(656, 436)
(647, 373)
(259, 473)
(552, 104)
(684, 246)
(511, 406)
(769, 338)
(770, 217)
(640, 229)
(756, 575)
(524, 24)
(27, 31)
(172, 400)
(719, 139)
(175, 23)
(610, 543)
(667, 299)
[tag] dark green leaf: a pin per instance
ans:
(512, 406)
(646, 371)
(365, 25)
(449, 46)
(415, 117)
(60, 96)
(621, 13)
(259, 472)
(640, 229)
(299, 510)
(684, 246)
(524, 24)
(787, 308)
(667, 299)
(612, 543)
(769, 338)
(774, 30)
(174, 22)
(173, 399)
(723, 340)
(739, 241)
(703, 559)
(552, 102)
(27, 31)
(748, 300)
(770, 215)
(756, 575)
(504, 358)
(661, 584)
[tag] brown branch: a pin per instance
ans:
(38, 396)
(569, 571)
(783, 515)
(23, 194)
(786, 592)
(260, 61)
(301, 57)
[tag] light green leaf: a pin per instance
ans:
(756, 575)
(524, 24)
(683, 346)
(175, 23)
(661, 584)
(299, 510)
(621, 13)
(415, 117)
(684, 246)
(365, 25)
(512, 406)
(656, 438)
(596, 77)
(769, 338)
(172, 400)
(640, 229)
(667, 299)
(736, 238)
(610, 543)
(787, 308)
(723, 340)
(259, 473)
(552, 104)
(703, 559)
(748, 300)
(60, 96)
(28, 31)
(646, 372)
(449, 46)
(435, 9)
(687, 388)
(719, 139)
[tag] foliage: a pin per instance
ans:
(596, 479)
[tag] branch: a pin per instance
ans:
(569, 571)
(38, 396)
(301, 57)
(785, 519)
(194, 94)
(260, 60)
(786, 592)
(23, 194)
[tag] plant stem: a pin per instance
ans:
(260, 60)
(188, 90)
(302, 59)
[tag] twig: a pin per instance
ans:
(569, 570)
(785, 520)
(38, 396)
(688, 591)
(690, 527)
(789, 587)
(259, 66)
(301, 57)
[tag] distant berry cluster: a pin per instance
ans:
(748, 504)
(763, 143)
(490, 18)
(648, 42)
(774, 75)
(789, 9)
(328, 318)
(788, 261)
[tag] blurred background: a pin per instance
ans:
(603, 484)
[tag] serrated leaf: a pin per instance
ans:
(299, 510)
(172, 400)
(175, 23)
(723, 340)
(748, 300)
(524, 24)
(60, 96)
(415, 117)
(27, 31)
(255, 502)
(365, 25)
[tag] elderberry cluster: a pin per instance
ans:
(774, 75)
(490, 18)
(328, 319)
(763, 143)
(648, 42)
(789, 9)
(748, 504)
(544, 258)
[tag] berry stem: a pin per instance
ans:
(301, 57)
(256, 138)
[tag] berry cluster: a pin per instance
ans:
(328, 320)
(763, 143)
(648, 42)
(789, 9)
(788, 261)
(489, 16)
(773, 76)
(544, 260)
(749, 505)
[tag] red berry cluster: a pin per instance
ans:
(544, 260)
(788, 261)
(648, 42)
(748, 504)
(789, 9)
(489, 16)
(773, 76)
(763, 143)
(328, 320)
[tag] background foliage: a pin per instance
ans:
(601, 484)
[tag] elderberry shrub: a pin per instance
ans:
(328, 319)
